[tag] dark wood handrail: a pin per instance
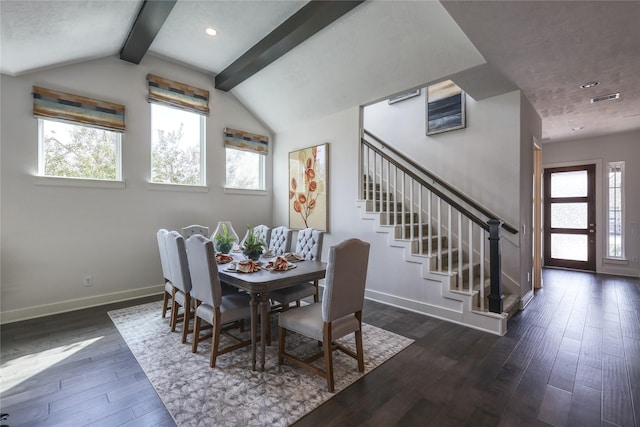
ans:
(508, 227)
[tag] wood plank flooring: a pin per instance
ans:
(572, 358)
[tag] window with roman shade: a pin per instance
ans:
(178, 95)
(245, 160)
(55, 105)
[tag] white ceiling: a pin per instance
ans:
(380, 48)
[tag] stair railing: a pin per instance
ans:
(433, 215)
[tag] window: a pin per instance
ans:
(76, 151)
(245, 169)
(245, 159)
(615, 218)
(177, 146)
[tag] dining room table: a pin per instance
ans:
(259, 283)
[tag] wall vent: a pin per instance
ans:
(608, 97)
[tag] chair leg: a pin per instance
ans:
(359, 350)
(196, 334)
(165, 304)
(174, 315)
(316, 296)
(328, 356)
(187, 316)
(281, 336)
(215, 338)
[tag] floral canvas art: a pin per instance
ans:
(308, 188)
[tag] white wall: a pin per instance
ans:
(601, 150)
(388, 272)
(482, 160)
(53, 236)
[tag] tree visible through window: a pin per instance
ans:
(75, 151)
(177, 152)
(245, 170)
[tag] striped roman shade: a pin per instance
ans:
(175, 94)
(51, 104)
(246, 141)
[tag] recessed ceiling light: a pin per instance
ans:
(577, 128)
(608, 97)
(210, 31)
(589, 84)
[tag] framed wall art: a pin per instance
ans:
(308, 188)
(445, 107)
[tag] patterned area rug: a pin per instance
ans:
(232, 394)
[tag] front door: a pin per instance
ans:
(570, 217)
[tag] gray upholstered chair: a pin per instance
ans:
(211, 305)
(280, 242)
(169, 289)
(181, 279)
(308, 246)
(195, 229)
(339, 313)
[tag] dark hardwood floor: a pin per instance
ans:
(572, 358)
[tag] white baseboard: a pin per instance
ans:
(76, 304)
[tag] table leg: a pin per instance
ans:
(264, 324)
(254, 329)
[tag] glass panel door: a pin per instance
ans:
(569, 217)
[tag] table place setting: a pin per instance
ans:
(279, 264)
(223, 258)
(246, 266)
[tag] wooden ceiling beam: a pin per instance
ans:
(145, 28)
(311, 18)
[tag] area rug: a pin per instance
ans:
(232, 394)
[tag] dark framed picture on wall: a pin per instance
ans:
(445, 107)
(308, 188)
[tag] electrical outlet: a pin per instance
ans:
(88, 280)
(634, 259)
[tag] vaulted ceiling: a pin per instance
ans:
(380, 48)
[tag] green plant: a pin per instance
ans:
(224, 240)
(253, 245)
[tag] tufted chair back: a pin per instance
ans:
(280, 242)
(263, 232)
(309, 244)
(195, 229)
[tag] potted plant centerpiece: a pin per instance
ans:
(224, 238)
(253, 245)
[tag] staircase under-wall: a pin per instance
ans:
(431, 227)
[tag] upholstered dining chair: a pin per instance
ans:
(169, 289)
(181, 279)
(339, 313)
(308, 246)
(195, 229)
(211, 305)
(280, 242)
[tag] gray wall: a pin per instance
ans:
(53, 236)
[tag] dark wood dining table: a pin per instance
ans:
(259, 284)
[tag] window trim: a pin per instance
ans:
(203, 152)
(610, 166)
(41, 179)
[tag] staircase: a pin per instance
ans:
(456, 241)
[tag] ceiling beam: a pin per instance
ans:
(311, 18)
(152, 15)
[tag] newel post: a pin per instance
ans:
(495, 267)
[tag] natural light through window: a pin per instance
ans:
(615, 237)
(16, 371)
(177, 146)
(75, 151)
(245, 169)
